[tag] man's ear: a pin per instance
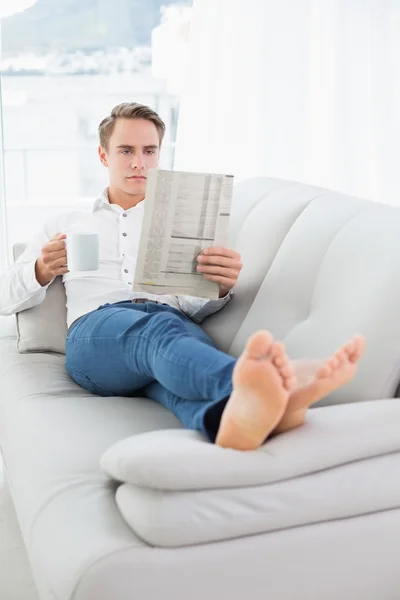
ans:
(103, 156)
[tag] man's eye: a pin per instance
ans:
(125, 152)
(150, 151)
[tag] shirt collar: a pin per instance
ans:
(102, 201)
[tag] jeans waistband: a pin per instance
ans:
(133, 301)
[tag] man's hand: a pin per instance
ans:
(53, 260)
(221, 265)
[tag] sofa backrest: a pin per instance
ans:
(319, 267)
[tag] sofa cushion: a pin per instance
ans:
(154, 460)
(329, 271)
(174, 519)
(182, 490)
(43, 328)
(52, 434)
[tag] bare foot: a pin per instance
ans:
(316, 379)
(262, 380)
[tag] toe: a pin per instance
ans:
(287, 370)
(259, 344)
(277, 350)
(279, 362)
(358, 349)
(349, 349)
(342, 355)
(282, 363)
(290, 383)
(324, 371)
(334, 362)
(277, 355)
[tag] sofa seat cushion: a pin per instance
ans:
(178, 489)
(52, 434)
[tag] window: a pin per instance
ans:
(64, 66)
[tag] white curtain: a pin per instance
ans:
(3, 213)
(307, 90)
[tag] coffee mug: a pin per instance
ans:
(82, 251)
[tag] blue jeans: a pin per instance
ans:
(124, 349)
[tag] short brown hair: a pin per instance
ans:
(129, 110)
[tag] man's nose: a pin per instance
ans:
(137, 162)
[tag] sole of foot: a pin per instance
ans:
(262, 380)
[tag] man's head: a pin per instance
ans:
(130, 141)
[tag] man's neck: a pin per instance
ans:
(123, 199)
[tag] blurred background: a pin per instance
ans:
(301, 90)
(64, 66)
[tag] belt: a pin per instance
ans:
(144, 300)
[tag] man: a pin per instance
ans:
(120, 342)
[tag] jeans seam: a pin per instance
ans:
(95, 385)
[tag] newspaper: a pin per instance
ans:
(183, 214)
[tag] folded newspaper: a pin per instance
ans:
(183, 214)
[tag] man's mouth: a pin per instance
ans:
(138, 177)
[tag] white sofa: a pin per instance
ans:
(116, 501)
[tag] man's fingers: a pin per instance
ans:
(218, 251)
(61, 271)
(221, 261)
(56, 264)
(215, 270)
(55, 247)
(49, 257)
(227, 282)
(54, 260)
(56, 243)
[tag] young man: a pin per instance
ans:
(120, 342)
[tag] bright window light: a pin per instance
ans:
(11, 7)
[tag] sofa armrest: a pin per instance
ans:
(180, 460)
(180, 490)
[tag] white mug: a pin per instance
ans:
(82, 251)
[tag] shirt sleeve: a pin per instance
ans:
(199, 309)
(19, 288)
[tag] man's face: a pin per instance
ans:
(133, 149)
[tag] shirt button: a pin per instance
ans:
(124, 215)
(129, 282)
(126, 271)
(124, 234)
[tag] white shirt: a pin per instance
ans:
(119, 234)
